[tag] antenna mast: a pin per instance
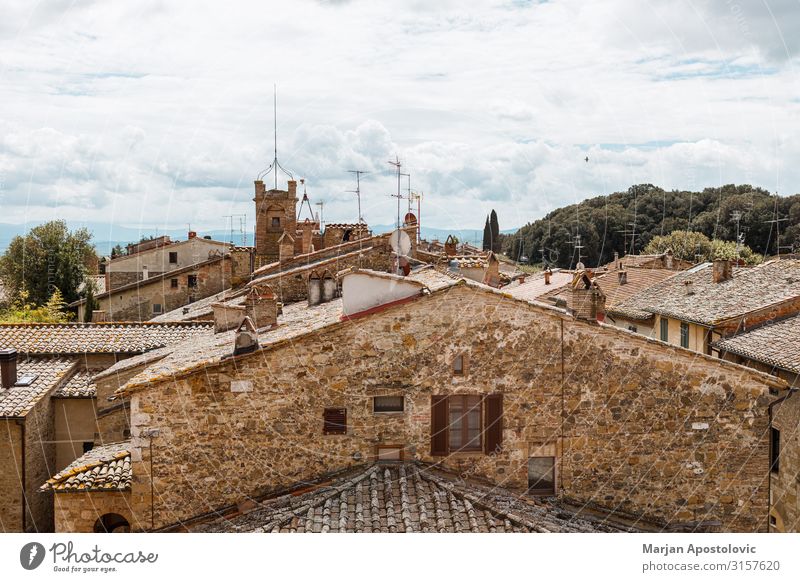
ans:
(320, 204)
(357, 191)
(275, 165)
(397, 165)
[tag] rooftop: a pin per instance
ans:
(776, 344)
(17, 401)
(749, 289)
(104, 468)
(534, 286)
(201, 309)
(80, 385)
(407, 498)
(99, 338)
(637, 280)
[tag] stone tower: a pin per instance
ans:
(275, 214)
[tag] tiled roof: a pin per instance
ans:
(776, 344)
(534, 286)
(749, 289)
(17, 401)
(406, 498)
(80, 385)
(201, 309)
(637, 280)
(354, 226)
(104, 338)
(104, 468)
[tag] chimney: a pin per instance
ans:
(246, 339)
(668, 259)
(8, 367)
(521, 279)
(689, 284)
(547, 273)
(622, 276)
(98, 316)
(328, 286)
(192, 234)
(226, 316)
(261, 307)
(145, 273)
(722, 270)
(292, 187)
(616, 260)
(260, 188)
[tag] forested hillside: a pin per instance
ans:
(627, 221)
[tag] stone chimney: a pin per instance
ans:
(98, 316)
(226, 316)
(246, 339)
(492, 275)
(8, 368)
(292, 187)
(450, 246)
(261, 306)
(622, 276)
(689, 286)
(616, 260)
(306, 231)
(668, 259)
(586, 301)
(145, 273)
(547, 275)
(722, 270)
(314, 289)
(260, 188)
(192, 234)
(328, 286)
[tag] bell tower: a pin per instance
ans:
(275, 214)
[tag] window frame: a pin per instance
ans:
(684, 335)
(664, 329)
(774, 450)
(465, 426)
(328, 427)
(275, 222)
(173, 255)
(463, 370)
(192, 282)
(541, 491)
(173, 283)
(160, 309)
(402, 404)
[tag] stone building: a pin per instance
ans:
(511, 394)
(701, 305)
(50, 411)
(784, 482)
(159, 256)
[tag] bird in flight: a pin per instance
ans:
(586, 159)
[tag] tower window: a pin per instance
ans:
(276, 222)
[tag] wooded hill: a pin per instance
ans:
(627, 221)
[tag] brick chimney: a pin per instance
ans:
(328, 286)
(246, 339)
(689, 285)
(192, 234)
(292, 187)
(261, 306)
(722, 270)
(547, 274)
(616, 260)
(586, 301)
(8, 367)
(226, 316)
(622, 276)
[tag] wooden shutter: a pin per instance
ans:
(494, 423)
(439, 429)
(335, 421)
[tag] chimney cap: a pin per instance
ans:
(8, 354)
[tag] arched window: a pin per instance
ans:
(112, 523)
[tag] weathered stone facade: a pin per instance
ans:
(79, 512)
(11, 500)
(634, 425)
(785, 481)
(275, 214)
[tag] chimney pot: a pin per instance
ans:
(261, 307)
(547, 274)
(689, 287)
(8, 367)
(192, 234)
(292, 187)
(722, 270)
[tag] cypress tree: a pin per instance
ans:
(487, 236)
(494, 230)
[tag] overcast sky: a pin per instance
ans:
(160, 113)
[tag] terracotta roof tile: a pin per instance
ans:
(406, 498)
(104, 468)
(80, 385)
(17, 401)
(775, 344)
(103, 338)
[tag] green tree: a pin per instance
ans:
(89, 292)
(48, 257)
(696, 247)
(487, 236)
(494, 233)
(23, 311)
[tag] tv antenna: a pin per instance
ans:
(578, 248)
(275, 165)
(357, 191)
(242, 230)
(305, 201)
(397, 165)
(736, 216)
(777, 222)
(409, 190)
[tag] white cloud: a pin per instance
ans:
(162, 112)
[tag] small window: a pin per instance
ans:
(775, 449)
(88, 446)
(773, 521)
(458, 365)
(335, 421)
(157, 308)
(387, 404)
(664, 329)
(276, 222)
(684, 334)
(126, 434)
(465, 423)
(191, 281)
(389, 453)
(173, 258)
(542, 475)
(173, 283)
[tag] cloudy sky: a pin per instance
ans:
(160, 113)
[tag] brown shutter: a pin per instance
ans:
(438, 425)
(494, 423)
(335, 421)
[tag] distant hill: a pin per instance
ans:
(626, 221)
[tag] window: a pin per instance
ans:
(458, 365)
(773, 521)
(88, 446)
(542, 475)
(276, 222)
(173, 258)
(173, 283)
(775, 449)
(191, 281)
(335, 421)
(466, 423)
(387, 404)
(157, 308)
(664, 329)
(684, 334)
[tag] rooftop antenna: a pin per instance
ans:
(777, 222)
(242, 226)
(397, 165)
(736, 215)
(305, 201)
(578, 248)
(409, 190)
(418, 197)
(357, 191)
(275, 165)
(320, 204)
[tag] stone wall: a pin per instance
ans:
(78, 512)
(40, 465)
(635, 425)
(136, 304)
(10, 489)
(785, 483)
(74, 425)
